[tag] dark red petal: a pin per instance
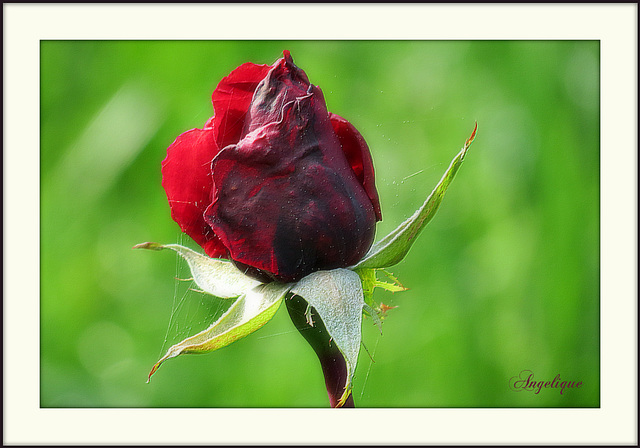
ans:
(231, 101)
(284, 83)
(286, 201)
(186, 178)
(359, 157)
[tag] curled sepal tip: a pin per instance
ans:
(149, 246)
(472, 137)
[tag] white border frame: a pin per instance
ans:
(615, 25)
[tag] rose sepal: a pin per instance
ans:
(337, 297)
(392, 249)
(247, 314)
(256, 303)
(214, 276)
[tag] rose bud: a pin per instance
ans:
(274, 181)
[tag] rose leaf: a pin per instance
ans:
(394, 247)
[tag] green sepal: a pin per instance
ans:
(217, 277)
(370, 281)
(255, 304)
(247, 314)
(394, 247)
(337, 297)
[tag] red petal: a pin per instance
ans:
(285, 82)
(186, 178)
(359, 157)
(286, 201)
(231, 101)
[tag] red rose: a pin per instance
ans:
(274, 181)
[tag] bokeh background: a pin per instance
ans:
(504, 279)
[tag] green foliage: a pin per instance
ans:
(504, 279)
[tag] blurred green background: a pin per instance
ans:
(504, 279)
